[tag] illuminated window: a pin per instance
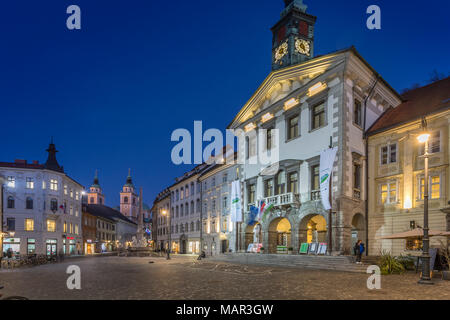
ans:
(434, 187)
(251, 193)
(11, 182)
(268, 188)
(65, 190)
(293, 182)
(70, 228)
(434, 143)
(51, 225)
(65, 227)
(29, 225)
(30, 183)
(44, 186)
(389, 193)
(54, 184)
(315, 181)
(77, 195)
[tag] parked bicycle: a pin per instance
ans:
(12, 297)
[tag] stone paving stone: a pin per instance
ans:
(186, 278)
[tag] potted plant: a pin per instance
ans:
(290, 250)
(262, 250)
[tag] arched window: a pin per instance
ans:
(187, 227)
(177, 212)
(198, 225)
(199, 208)
(125, 199)
(29, 203)
(192, 226)
(11, 203)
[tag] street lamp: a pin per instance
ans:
(165, 213)
(426, 276)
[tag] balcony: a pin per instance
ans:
(282, 200)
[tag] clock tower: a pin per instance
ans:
(293, 36)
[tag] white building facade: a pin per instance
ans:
(42, 208)
(301, 109)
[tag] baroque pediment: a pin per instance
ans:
(281, 83)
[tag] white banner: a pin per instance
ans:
(326, 166)
(236, 209)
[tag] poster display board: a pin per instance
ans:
(304, 248)
(322, 249)
(313, 247)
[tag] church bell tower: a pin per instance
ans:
(293, 36)
(129, 205)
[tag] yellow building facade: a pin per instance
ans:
(396, 171)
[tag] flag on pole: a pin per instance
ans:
(236, 209)
(261, 208)
(253, 214)
(327, 158)
(267, 209)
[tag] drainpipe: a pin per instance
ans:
(366, 171)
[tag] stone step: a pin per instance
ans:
(338, 263)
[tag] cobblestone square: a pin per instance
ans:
(183, 277)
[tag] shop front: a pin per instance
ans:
(11, 244)
(89, 247)
(51, 246)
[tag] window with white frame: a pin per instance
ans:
(388, 192)
(434, 143)
(65, 190)
(11, 182)
(388, 154)
(434, 187)
(44, 185)
(54, 184)
(30, 183)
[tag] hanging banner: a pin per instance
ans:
(236, 209)
(327, 158)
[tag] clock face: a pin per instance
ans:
(303, 46)
(281, 51)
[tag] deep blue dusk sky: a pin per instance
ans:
(112, 93)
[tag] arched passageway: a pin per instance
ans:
(358, 229)
(279, 236)
(253, 234)
(313, 228)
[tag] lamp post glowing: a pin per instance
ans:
(165, 213)
(426, 276)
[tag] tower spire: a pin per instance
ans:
(52, 163)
